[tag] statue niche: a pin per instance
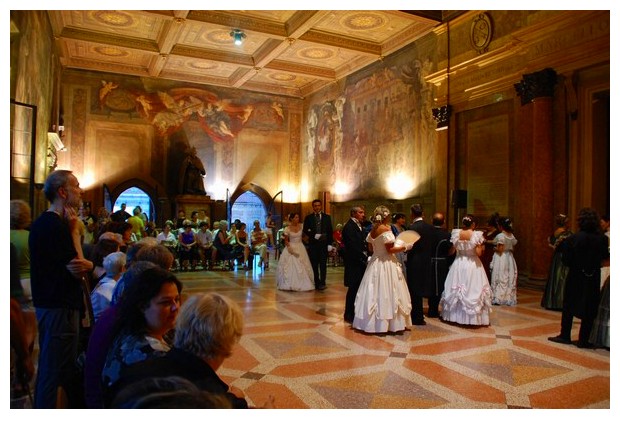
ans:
(191, 174)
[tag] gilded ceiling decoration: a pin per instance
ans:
(291, 53)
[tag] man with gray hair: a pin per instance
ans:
(57, 271)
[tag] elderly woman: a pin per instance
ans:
(101, 296)
(20, 220)
(208, 327)
(146, 313)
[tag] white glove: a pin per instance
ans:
(399, 243)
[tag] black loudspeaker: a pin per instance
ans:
(459, 198)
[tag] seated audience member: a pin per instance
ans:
(166, 393)
(204, 238)
(208, 327)
(101, 296)
(146, 312)
(169, 239)
(187, 247)
(103, 248)
(222, 246)
(243, 245)
(258, 240)
(102, 336)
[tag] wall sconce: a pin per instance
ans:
(442, 116)
(238, 36)
(54, 140)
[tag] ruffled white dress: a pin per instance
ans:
(382, 303)
(294, 270)
(504, 272)
(466, 298)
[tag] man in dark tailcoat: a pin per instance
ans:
(355, 258)
(584, 253)
(319, 234)
(439, 264)
(427, 265)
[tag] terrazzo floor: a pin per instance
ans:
(297, 348)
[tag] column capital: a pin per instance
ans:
(535, 85)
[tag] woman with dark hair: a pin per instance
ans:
(554, 290)
(490, 233)
(294, 269)
(466, 298)
(145, 314)
(504, 267)
(584, 254)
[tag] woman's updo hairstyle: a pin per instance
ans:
(468, 220)
(380, 214)
(506, 224)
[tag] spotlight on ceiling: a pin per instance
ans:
(238, 36)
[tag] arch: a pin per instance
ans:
(152, 193)
(252, 187)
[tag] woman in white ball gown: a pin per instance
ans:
(466, 298)
(503, 266)
(383, 303)
(294, 269)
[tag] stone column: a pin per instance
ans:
(535, 206)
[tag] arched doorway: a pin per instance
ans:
(133, 197)
(247, 208)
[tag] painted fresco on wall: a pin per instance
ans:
(188, 118)
(167, 111)
(375, 138)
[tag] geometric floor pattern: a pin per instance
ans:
(296, 347)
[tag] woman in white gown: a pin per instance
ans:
(466, 298)
(504, 267)
(383, 303)
(294, 269)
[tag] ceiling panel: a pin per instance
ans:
(291, 53)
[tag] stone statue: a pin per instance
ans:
(191, 174)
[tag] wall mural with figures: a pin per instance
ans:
(372, 137)
(170, 122)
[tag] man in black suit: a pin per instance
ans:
(425, 268)
(440, 262)
(355, 258)
(319, 233)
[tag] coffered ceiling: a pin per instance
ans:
(292, 53)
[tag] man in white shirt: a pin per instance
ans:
(204, 238)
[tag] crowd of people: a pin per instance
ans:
(116, 330)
